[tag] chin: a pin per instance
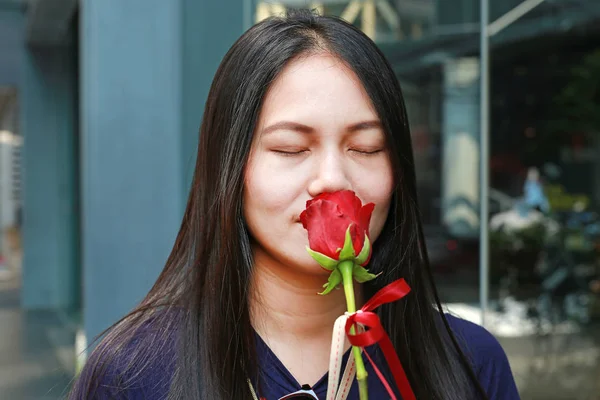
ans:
(305, 263)
(315, 269)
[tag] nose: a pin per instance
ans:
(330, 175)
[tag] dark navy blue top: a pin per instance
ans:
(489, 361)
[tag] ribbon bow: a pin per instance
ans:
(374, 333)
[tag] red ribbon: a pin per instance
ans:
(376, 334)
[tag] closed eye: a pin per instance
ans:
(289, 153)
(367, 152)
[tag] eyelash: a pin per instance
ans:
(289, 153)
(367, 153)
(296, 153)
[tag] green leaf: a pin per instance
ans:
(364, 253)
(328, 263)
(347, 252)
(334, 280)
(361, 275)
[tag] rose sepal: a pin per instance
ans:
(327, 263)
(347, 252)
(335, 278)
(364, 254)
(361, 275)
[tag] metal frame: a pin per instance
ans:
(484, 157)
(488, 30)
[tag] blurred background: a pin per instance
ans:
(100, 103)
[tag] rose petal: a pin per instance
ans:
(357, 234)
(328, 216)
(364, 216)
(348, 202)
(326, 226)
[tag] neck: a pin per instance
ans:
(285, 305)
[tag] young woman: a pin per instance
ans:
(300, 105)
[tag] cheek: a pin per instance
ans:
(379, 217)
(266, 192)
(378, 189)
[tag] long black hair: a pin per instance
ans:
(196, 318)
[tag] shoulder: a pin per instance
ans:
(488, 358)
(134, 363)
(477, 341)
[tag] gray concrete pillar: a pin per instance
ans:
(146, 66)
(48, 99)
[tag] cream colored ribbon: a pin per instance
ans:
(335, 390)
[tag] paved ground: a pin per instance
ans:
(558, 367)
(30, 368)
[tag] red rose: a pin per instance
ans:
(327, 219)
(338, 238)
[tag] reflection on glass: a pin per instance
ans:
(382, 20)
(544, 195)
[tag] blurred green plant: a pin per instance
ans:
(577, 105)
(516, 249)
(531, 236)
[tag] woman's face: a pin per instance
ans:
(317, 132)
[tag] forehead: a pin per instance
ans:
(317, 85)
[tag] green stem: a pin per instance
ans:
(346, 268)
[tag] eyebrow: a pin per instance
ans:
(365, 125)
(297, 127)
(288, 126)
